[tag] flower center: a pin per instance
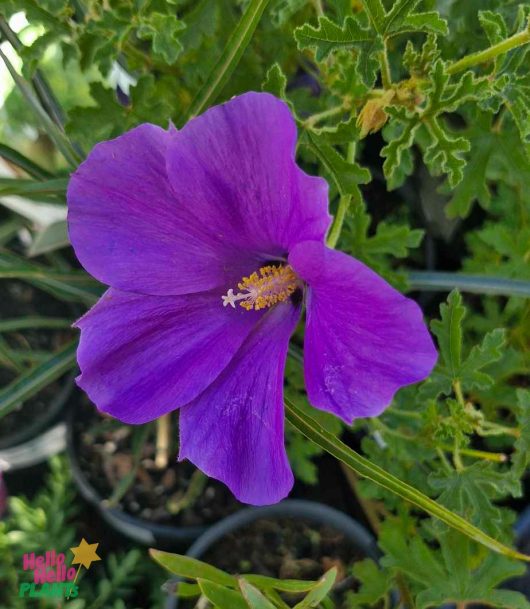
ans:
(266, 287)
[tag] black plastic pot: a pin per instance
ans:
(142, 531)
(309, 511)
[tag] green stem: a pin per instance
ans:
(490, 53)
(318, 8)
(316, 118)
(363, 467)
(344, 204)
(386, 76)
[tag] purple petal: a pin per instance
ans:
(130, 231)
(363, 341)
(143, 356)
(234, 430)
(235, 165)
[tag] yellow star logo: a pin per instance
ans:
(85, 553)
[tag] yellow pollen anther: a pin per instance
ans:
(266, 287)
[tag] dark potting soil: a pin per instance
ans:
(106, 456)
(20, 300)
(284, 548)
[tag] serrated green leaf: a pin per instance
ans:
(521, 457)
(275, 81)
(489, 351)
(471, 491)
(448, 331)
(429, 22)
(395, 151)
(399, 11)
(494, 26)
(445, 153)
(375, 584)
(347, 176)
(164, 31)
(328, 37)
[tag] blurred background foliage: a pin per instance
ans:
(426, 147)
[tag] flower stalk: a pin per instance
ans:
(163, 436)
(490, 53)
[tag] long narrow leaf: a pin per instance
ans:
(30, 383)
(56, 134)
(21, 187)
(23, 323)
(360, 465)
(475, 284)
(72, 286)
(230, 57)
(31, 168)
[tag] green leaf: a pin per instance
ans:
(449, 332)
(293, 586)
(254, 598)
(399, 11)
(222, 597)
(521, 457)
(275, 81)
(31, 382)
(55, 133)
(395, 152)
(474, 284)
(331, 444)
(489, 351)
(375, 584)
(448, 576)
(163, 30)
(445, 152)
(22, 323)
(347, 176)
(474, 184)
(73, 286)
(319, 592)
(50, 238)
(191, 568)
(31, 168)
(470, 492)
(429, 22)
(22, 187)
(494, 26)
(328, 37)
(230, 57)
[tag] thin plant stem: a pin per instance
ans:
(163, 438)
(344, 204)
(490, 53)
(316, 118)
(386, 76)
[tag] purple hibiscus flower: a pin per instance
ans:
(210, 239)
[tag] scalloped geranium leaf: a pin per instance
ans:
(328, 37)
